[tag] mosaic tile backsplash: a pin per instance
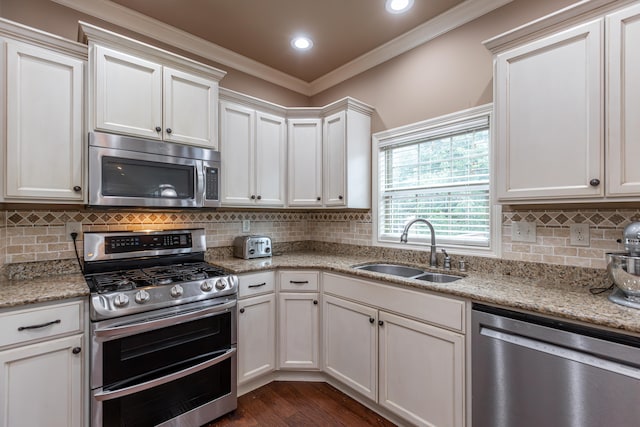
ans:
(39, 235)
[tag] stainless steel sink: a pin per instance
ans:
(438, 277)
(409, 272)
(393, 269)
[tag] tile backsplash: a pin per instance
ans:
(39, 235)
(552, 245)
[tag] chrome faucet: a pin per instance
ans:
(405, 233)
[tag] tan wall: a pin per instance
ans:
(451, 73)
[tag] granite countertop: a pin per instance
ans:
(559, 298)
(19, 292)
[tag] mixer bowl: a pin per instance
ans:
(624, 270)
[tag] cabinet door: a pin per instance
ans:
(44, 124)
(305, 162)
(270, 160)
(237, 136)
(41, 384)
(623, 102)
(256, 337)
(128, 94)
(549, 117)
(334, 146)
(298, 326)
(190, 109)
(421, 372)
(351, 344)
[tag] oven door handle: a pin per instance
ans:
(161, 322)
(109, 395)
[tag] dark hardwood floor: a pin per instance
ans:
(285, 403)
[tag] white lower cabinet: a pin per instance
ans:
(256, 337)
(299, 320)
(256, 325)
(421, 372)
(41, 366)
(412, 368)
(298, 323)
(42, 384)
(351, 344)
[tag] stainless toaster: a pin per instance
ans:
(248, 247)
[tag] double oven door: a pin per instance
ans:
(169, 367)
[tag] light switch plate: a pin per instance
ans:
(523, 231)
(246, 225)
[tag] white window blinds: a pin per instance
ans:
(440, 173)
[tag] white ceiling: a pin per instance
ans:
(253, 36)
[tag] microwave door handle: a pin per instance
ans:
(200, 180)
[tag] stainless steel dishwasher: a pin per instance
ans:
(530, 371)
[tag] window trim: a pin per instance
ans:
(407, 132)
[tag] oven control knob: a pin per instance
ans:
(221, 283)
(177, 291)
(120, 300)
(207, 286)
(142, 296)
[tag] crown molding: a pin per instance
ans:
(570, 15)
(149, 27)
(32, 35)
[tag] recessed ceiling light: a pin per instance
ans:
(301, 43)
(398, 6)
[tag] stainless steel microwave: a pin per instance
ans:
(127, 171)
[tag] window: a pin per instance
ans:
(438, 170)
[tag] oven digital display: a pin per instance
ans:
(120, 244)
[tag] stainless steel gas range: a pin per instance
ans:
(163, 330)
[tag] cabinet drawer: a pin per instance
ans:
(256, 283)
(296, 281)
(40, 323)
(434, 309)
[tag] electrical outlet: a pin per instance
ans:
(579, 235)
(73, 227)
(523, 231)
(246, 225)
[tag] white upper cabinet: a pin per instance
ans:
(43, 155)
(623, 102)
(549, 116)
(334, 141)
(128, 94)
(330, 157)
(190, 108)
(347, 157)
(305, 162)
(566, 105)
(253, 151)
(140, 90)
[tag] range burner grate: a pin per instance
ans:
(119, 281)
